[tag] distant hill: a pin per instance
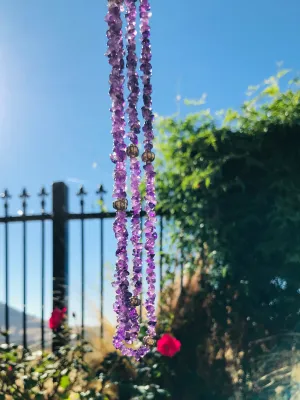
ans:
(16, 327)
(34, 330)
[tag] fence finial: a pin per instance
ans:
(5, 195)
(81, 192)
(101, 190)
(43, 194)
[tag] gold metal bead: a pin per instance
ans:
(115, 2)
(148, 157)
(120, 204)
(149, 341)
(132, 151)
(135, 301)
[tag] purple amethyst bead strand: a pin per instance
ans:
(115, 55)
(132, 75)
(124, 306)
(134, 125)
(135, 171)
(150, 199)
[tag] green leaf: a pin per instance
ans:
(224, 271)
(295, 81)
(64, 381)
(198, 102)
(252, 89)
(102, 206)
(282, 73)
(272, 90)
(231, 115)
(207, 181)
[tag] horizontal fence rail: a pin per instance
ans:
(60, 218)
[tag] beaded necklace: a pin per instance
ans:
(128, 297)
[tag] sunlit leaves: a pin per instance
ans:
(64, 381)
(252, 89)
(272, 90)
(295, 81)
(195, 150)
(198, 102)
(231, 115)
(282, 73)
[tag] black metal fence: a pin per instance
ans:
(60, 217)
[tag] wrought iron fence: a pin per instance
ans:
(60, 218)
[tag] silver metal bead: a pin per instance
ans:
(148, 157)
(120, 204)
(134, 301)
(132, 151)
(149, 341)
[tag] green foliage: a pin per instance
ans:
(33, 375)
(232, 186)
(238, 180)
(67, 375)
(102, 205)
(136, 381)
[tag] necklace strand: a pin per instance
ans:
(125, 305)
(148, 158)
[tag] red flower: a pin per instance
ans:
(168, 346)
(57, 317)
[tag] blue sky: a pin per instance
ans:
(54, 118)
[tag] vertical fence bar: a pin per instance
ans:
(24, 196)
(101, 279)
(24, 287)
(161, 254)
(101, 192)
(81, 193)
(6, 277)
(43, 286)
(82, 280)
(6, 196)
(60, 252)
(43, 194)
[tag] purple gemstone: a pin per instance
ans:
(128, 325)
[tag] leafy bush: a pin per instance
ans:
(33, 375)
(231, 185)
(67, 375)
(135, 381)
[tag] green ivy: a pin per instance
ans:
(230, 181)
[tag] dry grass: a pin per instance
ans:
(101, 347)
